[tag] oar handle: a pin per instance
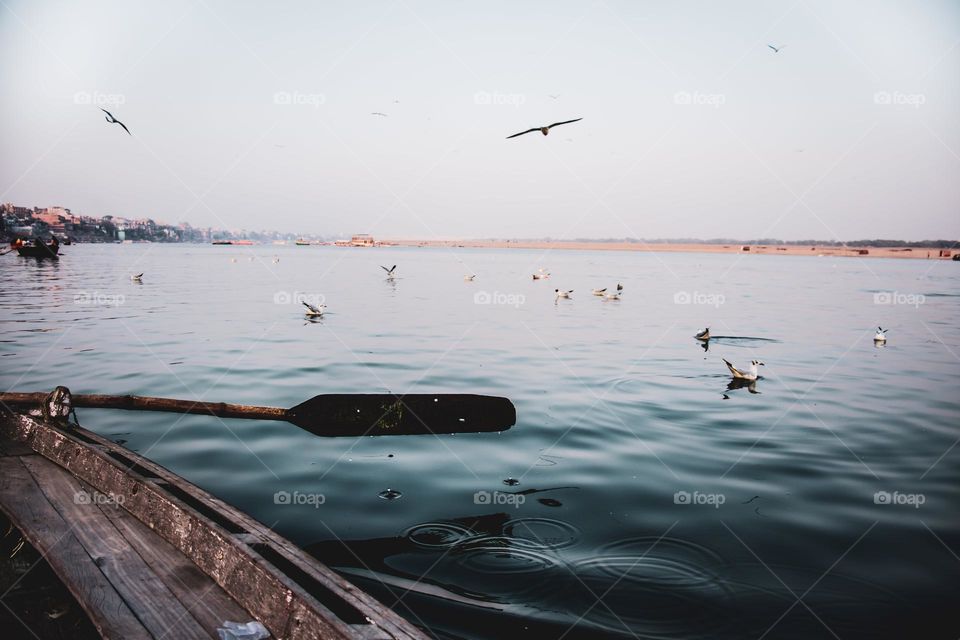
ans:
(148, 403)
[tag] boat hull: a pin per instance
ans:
(39, 251)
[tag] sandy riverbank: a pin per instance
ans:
(789, 250)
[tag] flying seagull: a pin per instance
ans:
(881, 335)
(776, 49)
(113, 120)
(378, 113)
(744, 375)
(703, 335)
(553, 96)
(314, 312)
(543, 130)
(389, 271)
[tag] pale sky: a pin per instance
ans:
(691, 126)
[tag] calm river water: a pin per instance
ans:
(631, 499)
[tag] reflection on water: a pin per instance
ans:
(617, 416)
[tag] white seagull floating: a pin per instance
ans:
(314, 312)
(543, 275)
(137, 278)
(704, 335)
(611, 296)
(744, 375)
(881, 335)
(563, 294)
(469, 278)
(389, 271)
(599, 292)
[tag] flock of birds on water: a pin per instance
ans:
(740, 377)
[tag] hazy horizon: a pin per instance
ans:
(261, 117)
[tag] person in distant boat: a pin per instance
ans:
(54, 243)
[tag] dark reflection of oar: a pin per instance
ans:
(331, 414)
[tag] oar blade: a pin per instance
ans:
(412, 414)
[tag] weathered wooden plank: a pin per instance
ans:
(41, 524)
(205, 599)
(294, 626)
(266, 574)
(143, 591)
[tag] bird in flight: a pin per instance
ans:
(543, 130)
(389, 271)
(113, 120)
(776, 49)
(553, 96)
(378, 113)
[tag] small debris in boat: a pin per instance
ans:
(511, 482)
(751, 500)
(390, 494)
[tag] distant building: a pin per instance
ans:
(362, 240)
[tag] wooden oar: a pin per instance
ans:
(331, 414)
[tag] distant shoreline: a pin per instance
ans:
(916, 253)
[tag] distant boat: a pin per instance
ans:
(39, 250)
(302, 242)
(222, 242)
